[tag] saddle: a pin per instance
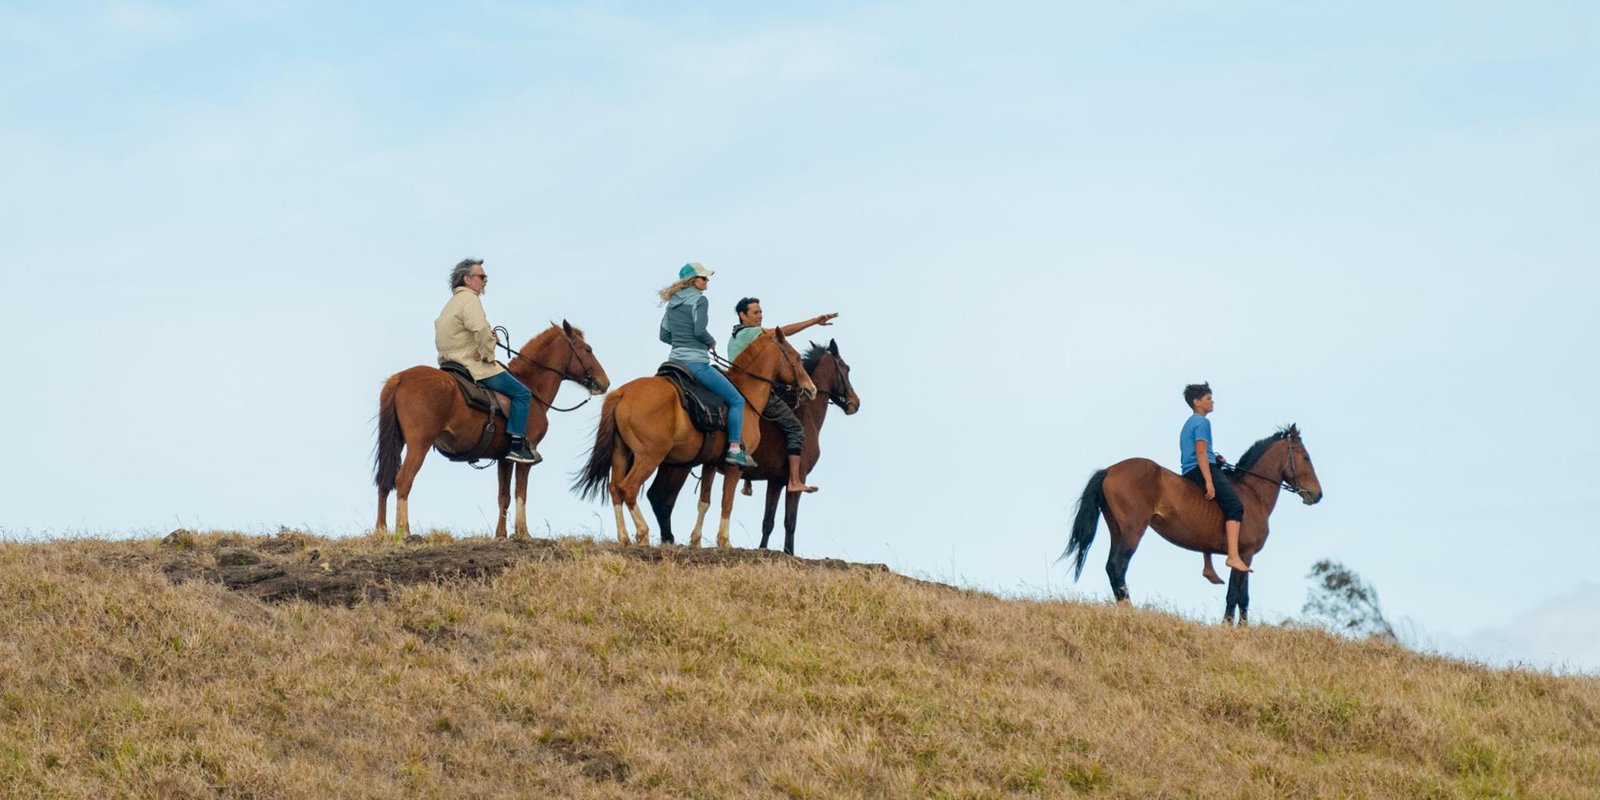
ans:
(707, 411)
(480, 398)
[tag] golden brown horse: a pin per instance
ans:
(1139, 493)
(831, 375)
(422, 407)
(643, 425)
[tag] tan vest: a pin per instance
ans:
(462, 333)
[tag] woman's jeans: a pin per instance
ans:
(507, 384)
(713, 379)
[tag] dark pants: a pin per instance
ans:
(1232, 509)
(794, 434)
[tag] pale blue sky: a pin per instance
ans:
(225, 224)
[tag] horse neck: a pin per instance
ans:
(544, 383)
(815, 412)
(1271, 465)
(756, 391)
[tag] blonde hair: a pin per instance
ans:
(672, 289)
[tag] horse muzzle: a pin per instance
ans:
(1309, 497)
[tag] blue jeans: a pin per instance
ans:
(713, 379)
(508, 385)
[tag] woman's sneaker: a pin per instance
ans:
(738, 458)
(521, 453)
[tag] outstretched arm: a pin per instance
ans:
(824, 320)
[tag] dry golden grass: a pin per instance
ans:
(599, 675)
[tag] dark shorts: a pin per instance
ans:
(1227, 498)
(794, 434)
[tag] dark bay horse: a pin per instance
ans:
(831, 375)
(422, 407)
(643, 425)
(1138, 492)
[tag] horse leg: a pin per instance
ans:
(503, 476)
(1244, 597)
(791, 515)
(619, 465)
(730, 486)
(643, 465)
(708, 478)
(1124, 541)
(1235, 584)
(416, 451)
(663, 497)
(770, 516)
(382, 525)
(522, 500)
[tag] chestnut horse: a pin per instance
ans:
(1138, 492)
(422, 407)
(832, 378)
(643, 425)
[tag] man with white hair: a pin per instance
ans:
(462, 334)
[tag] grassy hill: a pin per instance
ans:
(292, 666)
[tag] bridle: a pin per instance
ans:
(834, 396)
(588, 381)
(776, 384)
(1292, 484)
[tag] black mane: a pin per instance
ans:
(1259, 449)
(813, 357)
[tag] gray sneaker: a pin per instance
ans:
(738, 458)
(521, 453)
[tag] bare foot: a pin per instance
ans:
(1210, 574)
(1238, 564)
(800, 487)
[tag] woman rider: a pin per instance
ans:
(684, 327)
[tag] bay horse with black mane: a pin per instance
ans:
(643, 425)
(1139, 493)
(831, 375)
(422, 407)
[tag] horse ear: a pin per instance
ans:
(781, 337)
(833, 347)
(566, 326)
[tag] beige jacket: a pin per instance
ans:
(462, 333)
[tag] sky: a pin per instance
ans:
(223, 225)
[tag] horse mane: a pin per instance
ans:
(813, 356)
(576, 331)
(1259, 449)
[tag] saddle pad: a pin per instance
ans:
(707, 411)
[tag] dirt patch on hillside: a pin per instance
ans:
(298, 566)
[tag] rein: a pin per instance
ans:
(717, 357)
(588, 374)
(1290, 485)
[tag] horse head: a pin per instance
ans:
(790, 368)
(578, 362)
(831, 374)
(1297, 469)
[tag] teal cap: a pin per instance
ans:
(694, 270)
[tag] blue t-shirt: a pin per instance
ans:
(1196, 429)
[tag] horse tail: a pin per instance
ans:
(594, 478)
(386, 454)
(1090, 505)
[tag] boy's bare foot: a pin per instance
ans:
(800, 487)
(1210, 573)
(1238, 564)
